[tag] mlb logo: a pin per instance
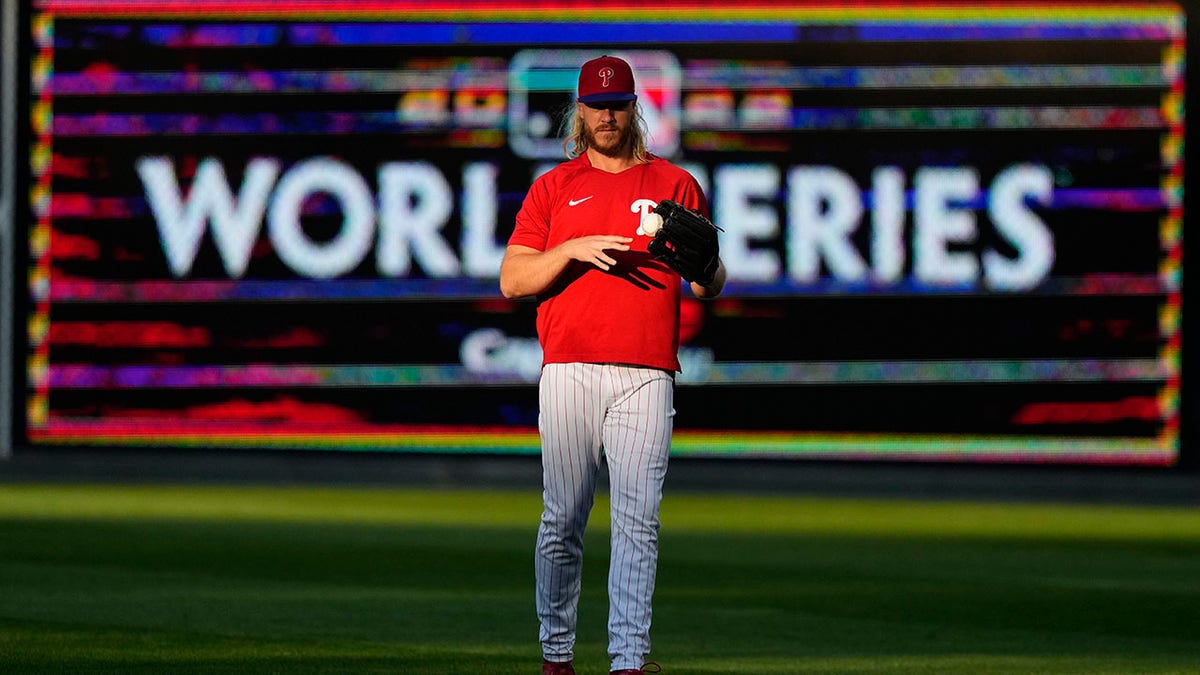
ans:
(541, 86)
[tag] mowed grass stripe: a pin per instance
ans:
(214, 579)
(684, 512)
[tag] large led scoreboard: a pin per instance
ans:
(953, 231)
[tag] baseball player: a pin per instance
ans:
(608, 322)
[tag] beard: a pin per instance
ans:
(613, 146)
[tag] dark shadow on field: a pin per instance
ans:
(131, 651)
(904, 480)
(887, 596)
(231, 597)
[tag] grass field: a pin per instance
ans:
(231, 580)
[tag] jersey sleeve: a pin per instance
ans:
(532, 227)
(693, 197)
(685, 189)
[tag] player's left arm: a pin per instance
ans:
(714, 287)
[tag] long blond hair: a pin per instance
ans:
(575, 140)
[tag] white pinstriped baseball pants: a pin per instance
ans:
(625, 413)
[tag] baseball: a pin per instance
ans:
(651, 224)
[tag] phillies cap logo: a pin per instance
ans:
(607, 79)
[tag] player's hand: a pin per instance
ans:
(593, 249)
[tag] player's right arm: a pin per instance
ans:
(527, 271)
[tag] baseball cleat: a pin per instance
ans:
(557, 668)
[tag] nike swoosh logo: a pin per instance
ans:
(577, 202)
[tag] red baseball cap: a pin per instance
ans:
(605, 80)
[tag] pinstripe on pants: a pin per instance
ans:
(624, 413)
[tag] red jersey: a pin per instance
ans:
(629, 314)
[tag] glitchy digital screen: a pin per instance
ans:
(953, 231)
